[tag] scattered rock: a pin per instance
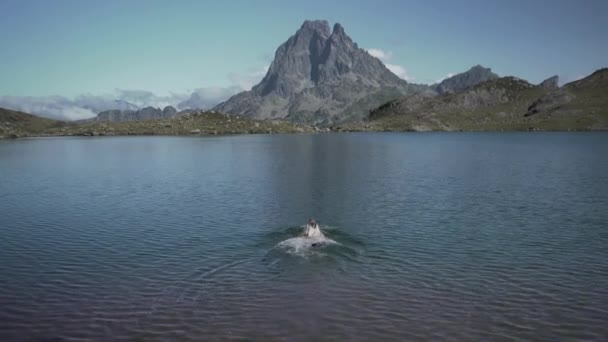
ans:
(552, 101)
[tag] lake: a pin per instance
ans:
(431, 236)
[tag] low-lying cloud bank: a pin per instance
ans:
(87, 106)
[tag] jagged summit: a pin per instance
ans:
(475, 75)
(321, 26)
(318, 75)
(314, 56)
(551, 82)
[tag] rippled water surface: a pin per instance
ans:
(451, 236)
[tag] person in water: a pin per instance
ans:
(312, 229)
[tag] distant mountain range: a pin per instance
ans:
(506, 103)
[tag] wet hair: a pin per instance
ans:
(312, 221)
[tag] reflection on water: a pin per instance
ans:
(430, 237)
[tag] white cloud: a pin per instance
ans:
(385, 57)
(87, 105)
(399, 71)
(380, 54)
(450, 74)
(56, 107)
(208, 97)
(248, 79)
(144, 98)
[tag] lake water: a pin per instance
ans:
(436, 236)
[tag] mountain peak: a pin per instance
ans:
(551, 82)
(313, 56)
(321, 26)
(338, 29)
(479, 67)
(316, 73)
(475, 75)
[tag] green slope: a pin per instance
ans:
(506, 103)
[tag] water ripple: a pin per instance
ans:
(438, 237)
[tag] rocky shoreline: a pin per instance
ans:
(195, 124)
(21, 125)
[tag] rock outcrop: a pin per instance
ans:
(550, 102)
(550, 83)
(467, 79)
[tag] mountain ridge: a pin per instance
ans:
(505, 103)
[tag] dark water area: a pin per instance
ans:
(431, 236)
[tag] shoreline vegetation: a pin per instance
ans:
(19, 125)
(14, 124)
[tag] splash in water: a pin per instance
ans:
(302, 245)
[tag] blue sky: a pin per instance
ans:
(171, 47)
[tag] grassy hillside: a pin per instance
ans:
(17, 124)
(506, 103)
(14, 124)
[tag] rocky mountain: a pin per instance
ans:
(551, 82)
(146, 113)
(320, 75)
(506, 103)
(582, 100)
(462, 81)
